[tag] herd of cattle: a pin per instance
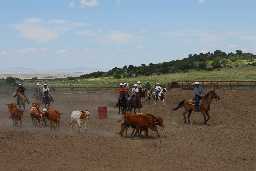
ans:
(42, 117)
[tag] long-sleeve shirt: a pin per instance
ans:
(198, 91)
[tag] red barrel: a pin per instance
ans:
(102, 112)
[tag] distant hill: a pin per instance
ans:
(203, 61)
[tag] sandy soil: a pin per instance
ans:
(229, 143)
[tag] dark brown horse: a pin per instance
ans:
(134, 103)
(189, 106)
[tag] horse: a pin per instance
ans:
(15, 114)
(21, 100)
(47, 99)
(143, 93)
(37, 116)
(189, 106)
(134, 103)
(38, 94)
(148, 95)
(160, 96)
(122, 104)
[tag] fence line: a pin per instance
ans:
(184, 84)
(213, 84)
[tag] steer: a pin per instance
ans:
(79, 118)
(140, 122)
(16, 114)
(53, 116)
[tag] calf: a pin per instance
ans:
(53, 116)
(157, 121)
(139, 123)
(36, 114)
(15, 114)
(79, 118)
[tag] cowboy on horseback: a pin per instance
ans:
(47, 98)
(37, 91)
(134, 101)
(198, 92)
(123, 91)
(135, 89)
(123, 97)
(20, 96)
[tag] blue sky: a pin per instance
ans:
(92, 35)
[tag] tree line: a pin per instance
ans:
(202, 61)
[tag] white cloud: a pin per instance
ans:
(89, 3)
(38, 30)
(34, 30)
(120, 37)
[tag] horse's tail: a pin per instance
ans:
(179, 105)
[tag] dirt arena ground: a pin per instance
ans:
(228, 144)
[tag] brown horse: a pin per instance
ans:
(189, 106)
(15, 114)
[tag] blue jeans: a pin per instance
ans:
(197, 103)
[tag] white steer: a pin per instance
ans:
(79, 118)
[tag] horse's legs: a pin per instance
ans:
(45, 122)
(137, 133)
(32, 121)
(156, 131)
(205, 119)
(184, 117)
(133, 132)
(124, 127)
(189, 115)
(208, 117)
(126, 130)
(13, 122)
(58, 124)
(51, 125)
(21, 122)
(146, 132)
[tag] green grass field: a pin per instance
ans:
(238, 74)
